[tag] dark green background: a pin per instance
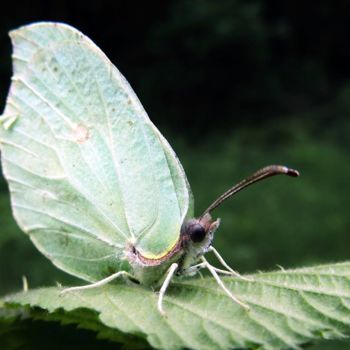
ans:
(233, 85)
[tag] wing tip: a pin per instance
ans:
(49, 24)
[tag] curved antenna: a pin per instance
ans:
(261, 174)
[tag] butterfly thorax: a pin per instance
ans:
(194, 241)
(149, 271)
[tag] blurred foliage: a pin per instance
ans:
(233, 85)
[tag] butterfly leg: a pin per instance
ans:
(194, 269)
(224, 263)
(164, 287)
(221, 284)
(98, 283)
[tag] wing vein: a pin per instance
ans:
(74, 225)
(81, 258)
(80, 147)
(20, 147)
(110, 144)
(100, 210)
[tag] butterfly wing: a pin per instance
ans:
(88, 172)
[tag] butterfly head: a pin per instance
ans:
(198, 234)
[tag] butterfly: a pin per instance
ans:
(94, 184)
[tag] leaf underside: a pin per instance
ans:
(288, 308)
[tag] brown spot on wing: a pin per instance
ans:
(81, 134)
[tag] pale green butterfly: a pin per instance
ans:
(93, 182)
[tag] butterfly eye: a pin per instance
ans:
(197, 233)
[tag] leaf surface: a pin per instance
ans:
(288, 308)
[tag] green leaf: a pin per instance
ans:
(288, 308)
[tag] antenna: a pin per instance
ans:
(261, 174)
